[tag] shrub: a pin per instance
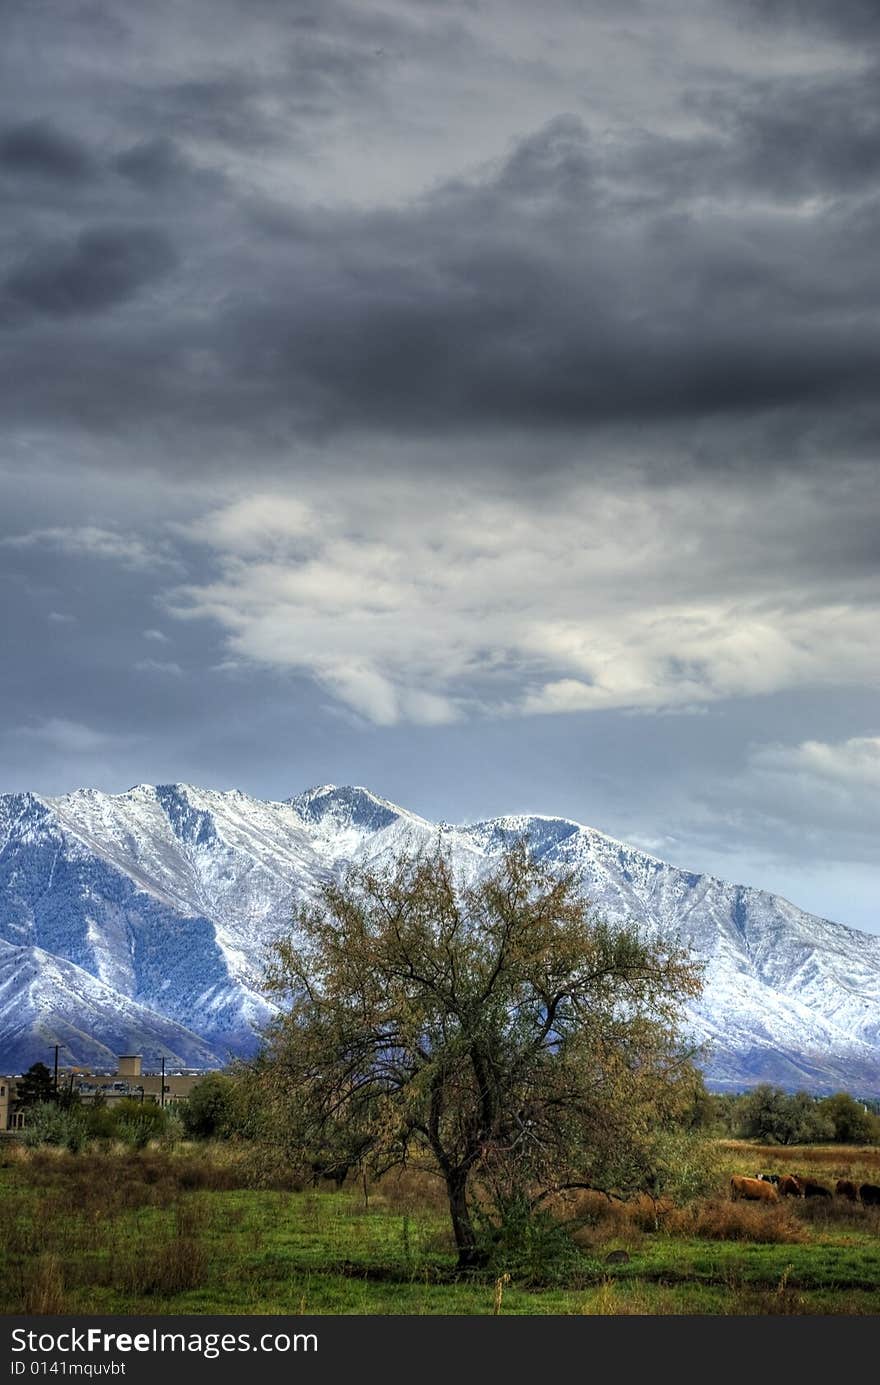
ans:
(527, 1243)
(210, 1113)
(49, 1124)
(136, 1123)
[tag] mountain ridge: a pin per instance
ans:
(168, 896)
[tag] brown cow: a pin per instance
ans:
(752, 1189)
(844, 1188)
(790, 1186)
(870, 1194)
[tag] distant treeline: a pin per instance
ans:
(222, 1106)
(227, 1106)
(771, 1115)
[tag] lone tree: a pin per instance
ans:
(495, 1031)
(35, 1086)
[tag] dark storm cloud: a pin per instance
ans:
(849, 20)
(223, 109)
(587, 278)
(159, 165)
(37, 149)
(575, 283)
(803, 137)
(105, 266)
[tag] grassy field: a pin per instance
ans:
(179, 1232)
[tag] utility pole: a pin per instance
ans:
(55, 1087)
(163, 1085)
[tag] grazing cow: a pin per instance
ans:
(813, 1189)
(768, 1177)
(844, 1188)
(790, 1186)
(752, 1189)
(870, 1194)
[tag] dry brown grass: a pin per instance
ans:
(124, 1180)
(408, 1190)
(860, 1163)
(172, 1267)
(44, 1286)
(719, 1220)
(839, 1211)
(716, 1219)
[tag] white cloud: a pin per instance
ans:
(158, 636)
(253, 526)
(853, 764)
(428, 605)
(91, 541)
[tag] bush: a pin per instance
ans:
(210, 1112)
(136, 1123)
(529, 1244)
(174, 1130)
(49, 1124)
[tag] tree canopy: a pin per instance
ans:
(34, 1086)
(495, 1031)
(774, 1116)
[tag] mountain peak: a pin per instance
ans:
(350, 805)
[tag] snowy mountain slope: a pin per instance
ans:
(168, 896)
(45, 1001)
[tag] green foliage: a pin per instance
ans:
(35, 1086)
(772, 1116)
(50, 1124)
(701, 1111)
(173, 1130)
(73, 1125)
(850, 1122)
(686, 1165)
(137, 1127)
(498, 1029)
(528, 1243)
(210, 1113)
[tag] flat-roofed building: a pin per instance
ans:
(128, 1083)
(10, 1118)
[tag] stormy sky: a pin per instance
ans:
(473, 400)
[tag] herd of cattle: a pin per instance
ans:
(769, 1187)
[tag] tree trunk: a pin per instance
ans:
(462, 1226)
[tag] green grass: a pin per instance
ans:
(159, 1233)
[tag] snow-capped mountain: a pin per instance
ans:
(142, 921)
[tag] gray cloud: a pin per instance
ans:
(37, 149)
(570, 286)
(159, 165)
(849, 20)
(105, 266)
